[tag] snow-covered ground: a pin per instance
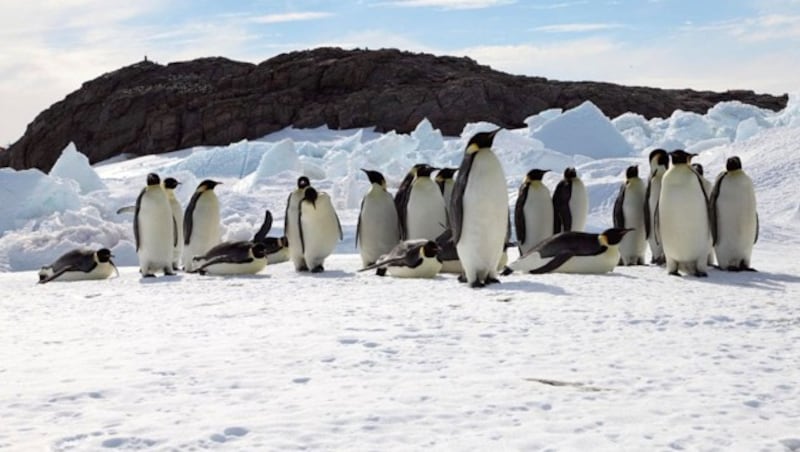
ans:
(632, 360)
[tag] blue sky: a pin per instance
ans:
(50, 47)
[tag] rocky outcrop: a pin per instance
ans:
(148, 108)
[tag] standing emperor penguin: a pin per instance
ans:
(629, 214)
(378, 229)
(444, 179)
(154, 229)
(201, 224)
(479, 211)
(570, 203)
(707, 187)
(659, 163)
(420, 205)
(533, 212)
(170, 184)
(734, 220)
(682, 223)
(319, 228)
(291, 228)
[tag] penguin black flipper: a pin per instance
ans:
(339, 225)
(126, 209)
(300, 227)
(758, 226)
(286, 216)
(187, 217)
(656, 227)
(44, 280)
(619, 215)
(552, 264)
(136, 218)
(401, 202)
(174, 232)
(519, 212)
(647, 230)
(456, 207)
(358, 224)
(562, 218)
(712, 207)
(261, 235)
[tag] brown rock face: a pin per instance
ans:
(149, 108)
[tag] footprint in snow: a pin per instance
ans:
(229, 434)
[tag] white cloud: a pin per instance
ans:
(561, 5)
(576, 28)
(451, 4)
(290, 17)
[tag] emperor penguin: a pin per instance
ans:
(420, 205)
(533, 212)
(444, 179)
(201, 223)
(378, 228)
(319, 228)
(574, 252)
(410, 259)
(154, 229)
(682, 222)
(629, 214)
(232, 258)
(277, 248)
(707, 187)
(291, 228)
(79, 265)
(479, 211)
(659, 163)
(570, 203)
(170, 184)
(734, 220)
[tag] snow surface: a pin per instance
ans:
(632, 360)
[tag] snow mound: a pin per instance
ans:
(584, 130)
(75, 166)
(30, 194)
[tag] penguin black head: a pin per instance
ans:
(104, 255)
(153, 179)
(698, 168)
(375, 177)
(536, 174)
(430, 249)
(171, 183)
(424, 170)
(274, 244)
(661, 157)
(303, 182)
(259, 250)
(632, 172)
(613, 236)
(679, 156)
(570, 173)
(733, 164)
(482, 140)
(311, 196)
(445, 174)
(207, 184)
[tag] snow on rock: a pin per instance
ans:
(75, 166)
(584, 130)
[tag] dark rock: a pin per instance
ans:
(148, 108)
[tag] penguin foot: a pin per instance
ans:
(477, 285)
(675, 273)
(462, 279)
(381, 272)
(148, 275)
(302, 268)
(732, 268)
(168, 272)
(507, 271)
(700, 274)
(749, 269)
(491, 280)
(317, 269)
(175, 267)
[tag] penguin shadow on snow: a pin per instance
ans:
(160, 279)
(528, 286)
(329, 274)
(756, 280)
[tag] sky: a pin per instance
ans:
(50, 47)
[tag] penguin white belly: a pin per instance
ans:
(205, 228)
(426, 216)
(228, 268)
(177, 215)
(485, 218)
(102, 270)
(656, 250)
(155, 233)
(538, 211)
(683, 218)
(293, 230)
(578, 205)
(320, 230)
(634, 244)
(736, 221)
(429, 268)
(379, 227)
(282, 255)
(452, 266)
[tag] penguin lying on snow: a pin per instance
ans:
(79, 265)
(574, 252)
(410, 259)
(232, 258)
(277, 248)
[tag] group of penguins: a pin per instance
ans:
(458, 224)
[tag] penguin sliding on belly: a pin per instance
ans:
(154, 229)
(277, 248)
(410, 259)
(232, 258)
(79, 265)
(570, 203)
(628, 213)
(734, 220)
(378, 228)
(574, 252)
